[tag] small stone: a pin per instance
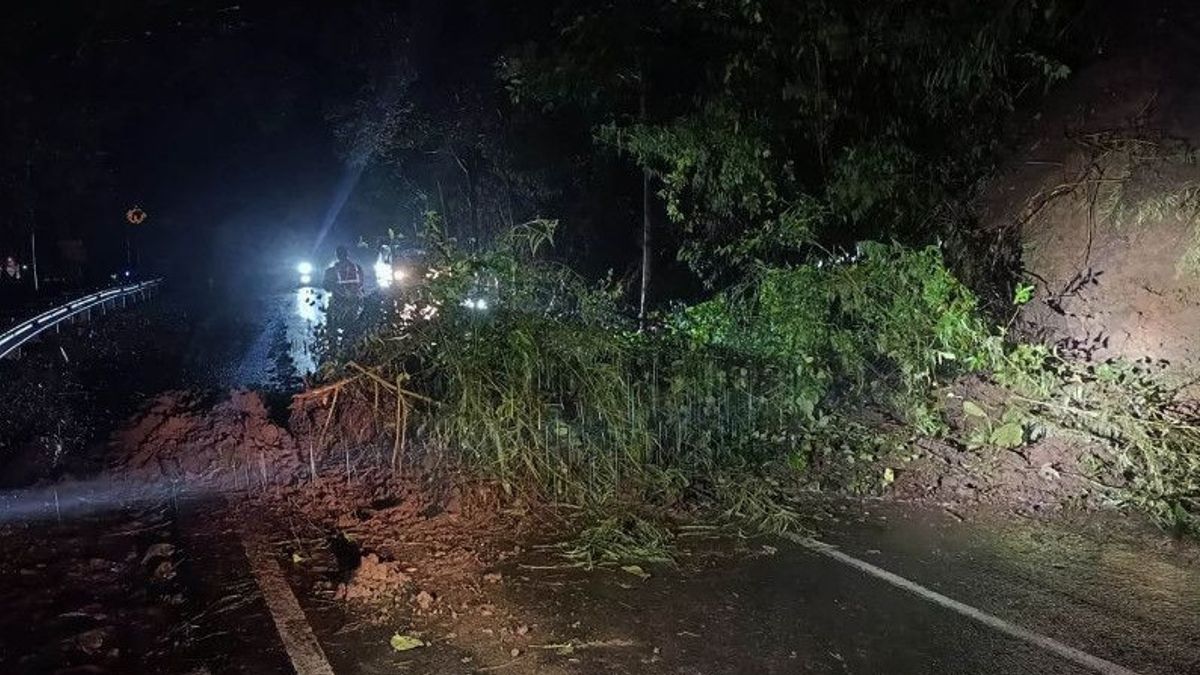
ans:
(159, 550)
(424, 600)
(93, 641)
(514, 652)
(165, 571)
(493, 577)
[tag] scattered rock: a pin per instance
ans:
(93, 641)
(164, 571)
(374, 578)
(424, 600)
(156, 551)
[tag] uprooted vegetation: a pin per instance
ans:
(809, 376)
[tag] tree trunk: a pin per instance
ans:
(30, 205)
(644, 296)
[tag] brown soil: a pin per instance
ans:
(179, 436)
(378, 555)
(1042, 477)
(1047, 475)
(1107, 284)
(409, 549)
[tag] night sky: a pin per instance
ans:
(216, 117)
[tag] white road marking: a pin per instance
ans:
(1068, 652)
(294, 631)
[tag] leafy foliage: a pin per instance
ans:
(804, 119)
(885, 323)
(551, 390)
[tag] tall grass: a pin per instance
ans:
(551, 390)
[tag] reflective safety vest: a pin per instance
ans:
(349, 278)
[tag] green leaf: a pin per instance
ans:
(1023, 294)
(403, 643)
(889, 476)
(637, 571)
(1008, 435)
(972, 409)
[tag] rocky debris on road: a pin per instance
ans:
(374, 580)
(1043, 475)
(392, 546)
(233, 444)
(114, 608)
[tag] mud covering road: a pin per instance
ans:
(1109, 588)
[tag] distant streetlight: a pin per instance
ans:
(134, 216)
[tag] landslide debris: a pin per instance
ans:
(179, 435)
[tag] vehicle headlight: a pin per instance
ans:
(383, 273)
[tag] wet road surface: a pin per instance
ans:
(1130, 599)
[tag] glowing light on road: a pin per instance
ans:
(305, 269)
(477, 304)
(310, 305)
(399, 274)
(383, 273)
(306, 279)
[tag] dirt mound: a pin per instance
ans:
(374, 579)
(1105, 195)
(414, 545)
(234, 443)
(338, 429)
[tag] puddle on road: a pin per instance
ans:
(308, 312)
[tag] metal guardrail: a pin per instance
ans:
(14, 338)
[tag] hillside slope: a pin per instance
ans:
(1104, 192)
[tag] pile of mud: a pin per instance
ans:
(374, 579)
(347, 426)
(181, 436)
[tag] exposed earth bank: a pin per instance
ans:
(1102, 192)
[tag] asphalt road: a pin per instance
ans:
(1128, 598)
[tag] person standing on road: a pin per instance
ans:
(344, 281)
(11, 272)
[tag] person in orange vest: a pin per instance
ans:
(344, 280)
